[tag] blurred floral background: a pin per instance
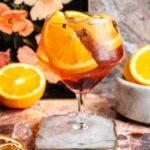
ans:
(21, 22)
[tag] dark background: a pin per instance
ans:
(81, 5)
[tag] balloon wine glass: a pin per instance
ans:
(81, 50)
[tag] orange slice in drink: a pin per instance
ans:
(71, 56)
(57, 17)
(41, 53)
(114, 43)
(105, 31)
(75, 15)
(114, 38)
(77, 19)
(140, 65)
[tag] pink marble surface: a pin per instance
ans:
(102, 104)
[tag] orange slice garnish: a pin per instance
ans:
(105, 31)
(75, 15)
(114, 43)
(71, 56)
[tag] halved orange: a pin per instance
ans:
(63, 47)
(21, 85)
(140, 65)
(8, 143)
(126, 72)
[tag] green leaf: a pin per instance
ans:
(28, 42)
(5, 1)
(37, 28)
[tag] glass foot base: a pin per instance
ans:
(56, 132)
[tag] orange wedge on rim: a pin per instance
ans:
(71, 56)
(71, 14)
(140, 65)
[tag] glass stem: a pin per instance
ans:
(81, 121)
(80, 102)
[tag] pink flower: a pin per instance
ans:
(3, 7)
(4, 58)
(42, 8)
(15, 21)
(37, 38)
(28, 2)
(27, 55)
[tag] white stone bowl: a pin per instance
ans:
(133, 100)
